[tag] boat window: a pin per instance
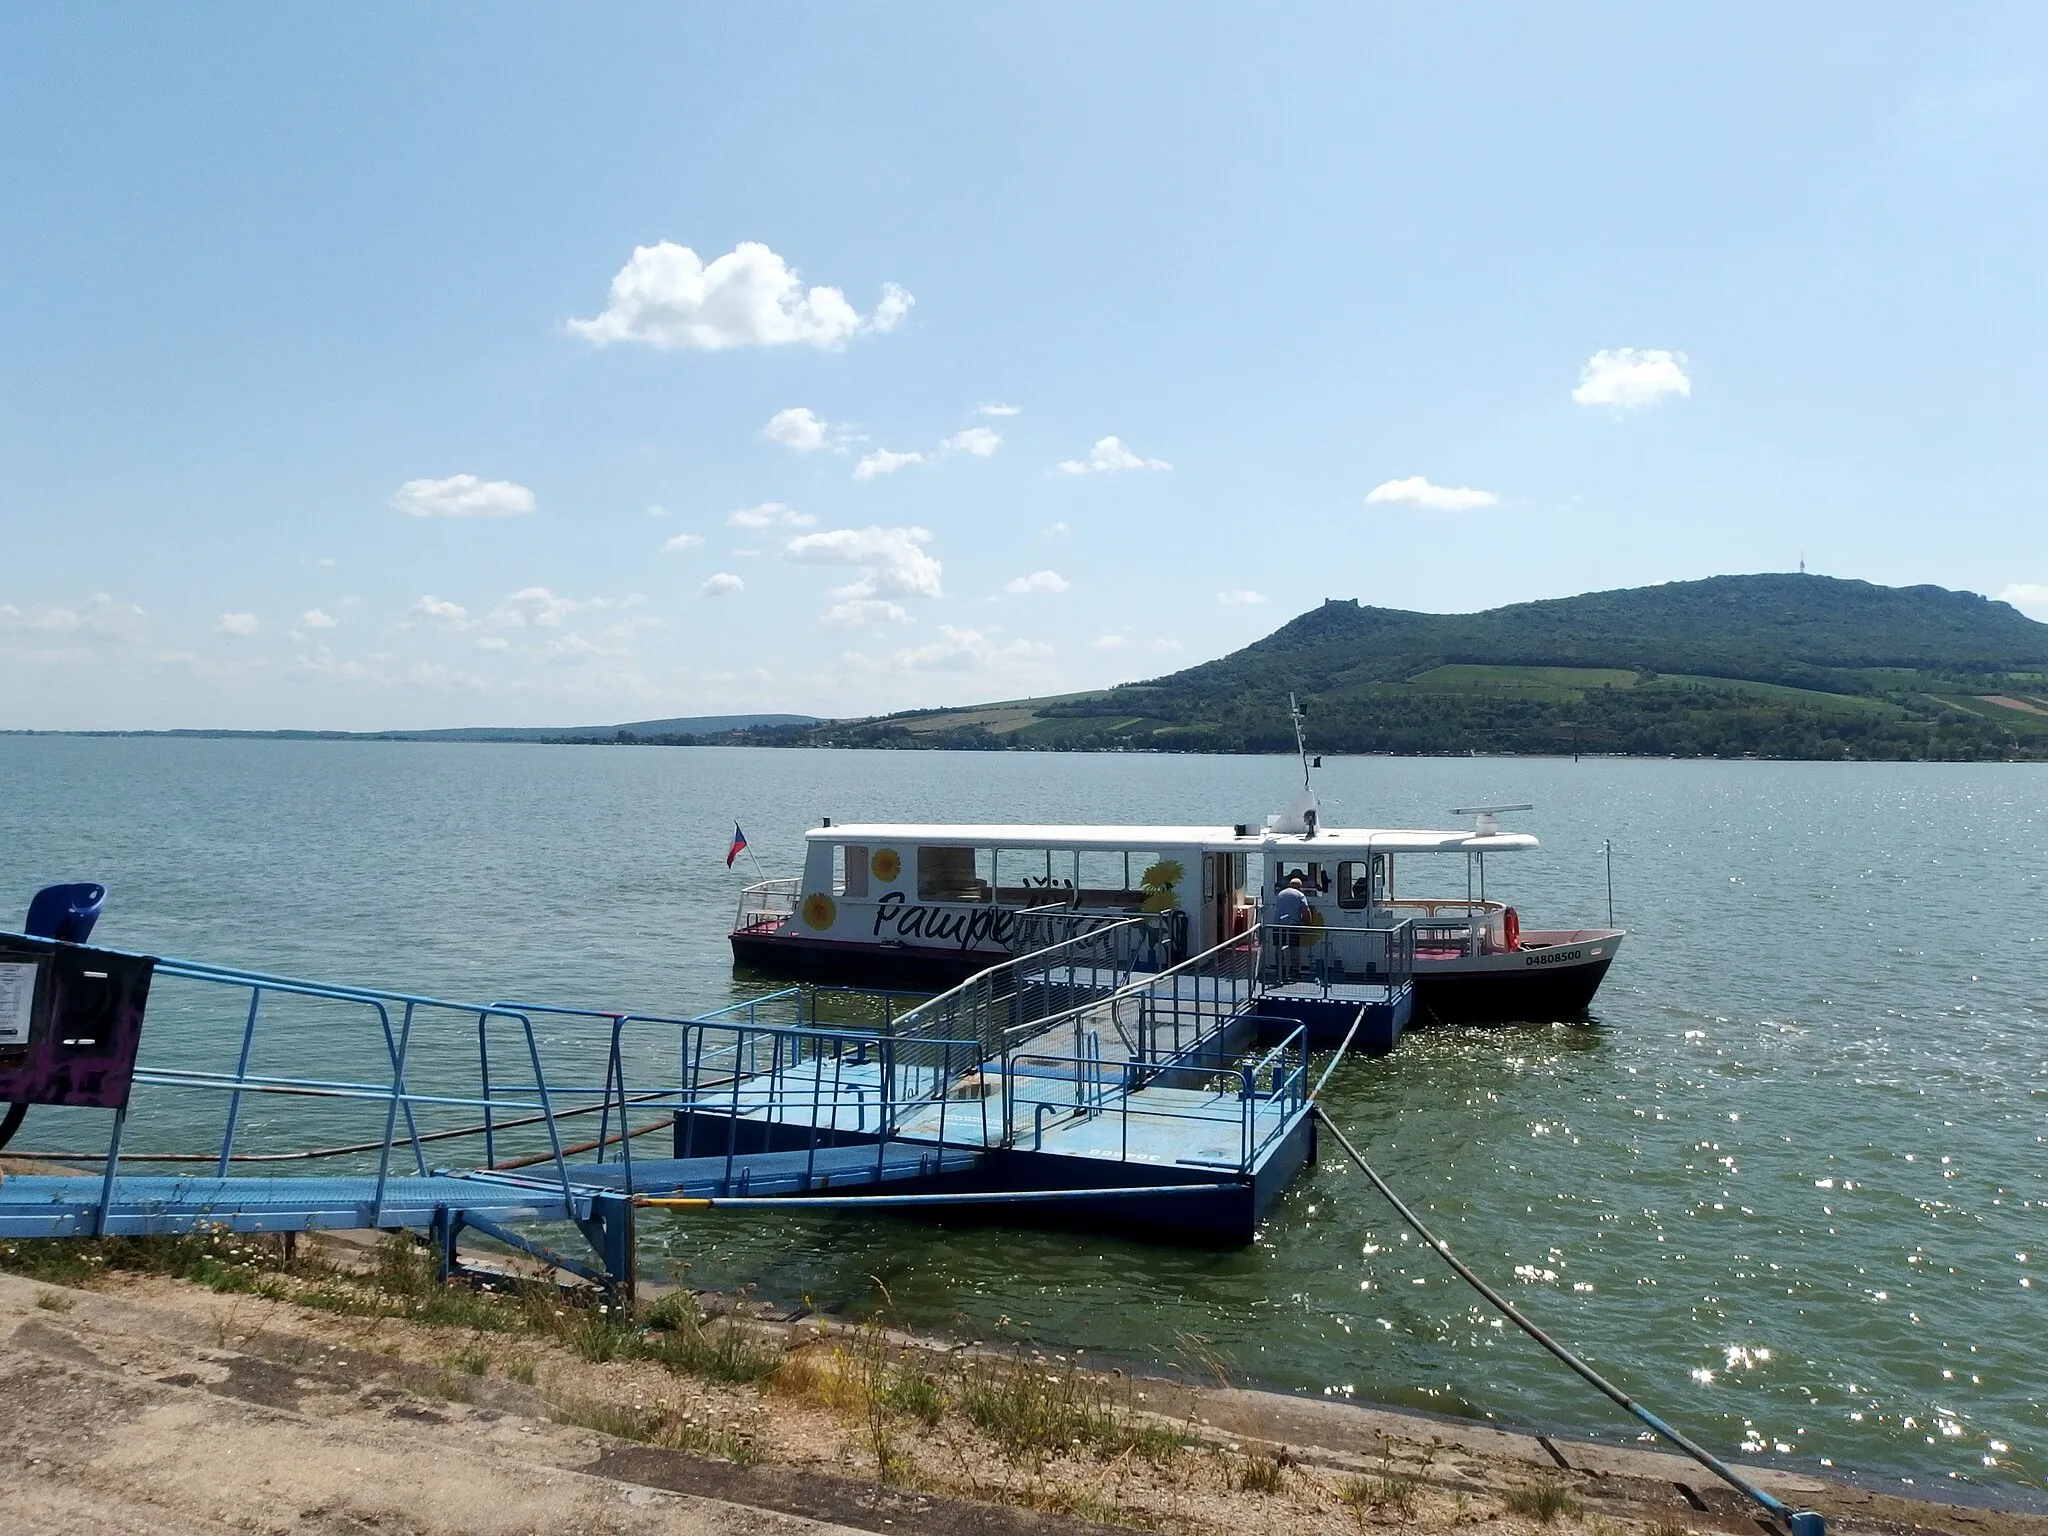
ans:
(853, 870)
(948, 874)
(1354, 885)
(1313, 876)
(1033, 877)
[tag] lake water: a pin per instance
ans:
(1790, 1188)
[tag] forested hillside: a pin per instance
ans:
(1775, 666)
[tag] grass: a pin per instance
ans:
(1031, 1410)
(1261, 1474)
(656, 1424)
(51, 1301)
(1542, 1502)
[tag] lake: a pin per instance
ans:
(1790, 1187)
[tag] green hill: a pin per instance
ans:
(1774, 666)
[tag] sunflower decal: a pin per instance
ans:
(886, 865)
(820, 911)
(1159, 882)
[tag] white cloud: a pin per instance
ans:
(681, 542)
(462, 496)
(657, 510)
(2030, 597)
(891, 560)
(965, 650)
(1110, 642)
(802, 430)
(441, 611)
(769, 514)
(236, 624)
(1164, 644)
(1037, 581)
(538, 606)
(1056, 531)
(102, 621)
(724, 584)
(1416, 491)
(1107, 457)
(494, 643)
(979, 441)
(895, 304)
(858, 611)
(992, 409)
(1240, 598)
(313, 618)
(1627, 379)
(884, 462)
(667, 297)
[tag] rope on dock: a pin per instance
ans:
(1803, 1522)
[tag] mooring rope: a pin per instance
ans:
(1803, 1522)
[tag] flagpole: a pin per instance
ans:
(750, 851)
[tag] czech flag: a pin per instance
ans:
(739, 841)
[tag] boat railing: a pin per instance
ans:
(767, 903)
(1328, 955)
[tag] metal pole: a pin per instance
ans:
(1608, 844)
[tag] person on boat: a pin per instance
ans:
(1290, 917)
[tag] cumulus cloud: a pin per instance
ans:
(236, 624)
(1626, 378)
(884, 462)
(857, 612)
(1056, 531)
(769, 514)
(1036, 582)
(890, 560)
(2030, 597)
(667, 297)
(979, 441)
(539, 607)
(1107, 457)
(992, 409)
(1240, 598)
(681, 542)
(462, 496)
(964, 650)
(494, 643)
(1164, 644)
(313, 618)
(1110, 642)
(802, 430)
(441, 611)
(1416, 491)
(724, 584)
(101, 622)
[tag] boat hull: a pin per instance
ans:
(1552, 981)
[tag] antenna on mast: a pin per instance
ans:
(1308, 794)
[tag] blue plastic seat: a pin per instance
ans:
(65, 912)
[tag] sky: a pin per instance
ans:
(396, 367)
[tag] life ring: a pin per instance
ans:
(1510, 930)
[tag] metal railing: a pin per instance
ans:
(766, 903)
(1015, 994)
(1328, 956)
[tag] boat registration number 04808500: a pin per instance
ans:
(1551, 957)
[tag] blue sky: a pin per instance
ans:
(461, 365)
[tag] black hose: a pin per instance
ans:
(1802, 1522)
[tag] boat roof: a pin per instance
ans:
(1208, 839)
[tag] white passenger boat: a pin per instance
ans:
(925, 906)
